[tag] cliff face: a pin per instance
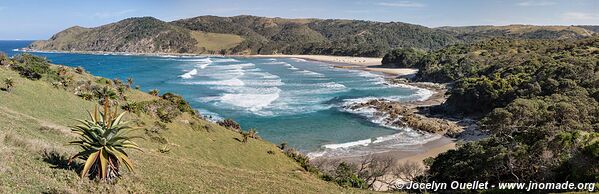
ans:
(138, 35)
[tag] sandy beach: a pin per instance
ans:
(364, 63)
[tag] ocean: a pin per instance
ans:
(286, 99)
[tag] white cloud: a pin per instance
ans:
(580, 16)
(535, 3)
(106, 15)
(401, 4)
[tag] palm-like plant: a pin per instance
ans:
(104, 137)
(154, 92)
(9, 82)
(105, 95)
(129, 82)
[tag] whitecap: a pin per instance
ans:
(229, 82)
(251, 101)
(404, 140)
(189, 74)
(224, 60)
(298, 59)
(421, 93)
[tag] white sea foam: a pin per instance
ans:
(311, 73)
(421, 93)
(210, 116)
(224, 60)
(331, 85)
(202, 65)
(364, 142)
(298, 59)
(189, 74)
(404, 140)
(275, 63)
(252, 101)
(228, 82)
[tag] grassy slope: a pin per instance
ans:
(216, 41)
(33, 159)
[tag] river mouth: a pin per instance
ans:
(286, 99)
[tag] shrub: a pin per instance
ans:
(9, 84)
(32, 67)
(345, 176)
(79, 70)
(154, 92)
(230, 124)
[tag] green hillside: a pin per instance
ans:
(473, 33)
(538, 100)
(248, 35)
(315, 36)
(262, 35)
(137, 35)
(181, 153)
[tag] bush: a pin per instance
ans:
(404, 58)
(345, 176)
(230, 124)
(32, 67)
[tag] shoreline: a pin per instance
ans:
(427, 149)
(417, 152)
(372, 64)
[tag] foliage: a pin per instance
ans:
(538, 99)
(230, 124)
(9, 83)
(345, 176)
(105, 95)
(154, 92)
(104, 138)
(32, 67)
(403, 58)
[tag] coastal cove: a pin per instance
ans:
(286, 99)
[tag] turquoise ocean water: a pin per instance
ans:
(285, 99)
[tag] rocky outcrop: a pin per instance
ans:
(396, 115)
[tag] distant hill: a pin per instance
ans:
(137, 35)
(248, 35)
(473, 33)
(315, 36)
(262, 35)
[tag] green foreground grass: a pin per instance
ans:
(34, 120)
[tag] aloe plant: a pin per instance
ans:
(10, 83)
(104, 138)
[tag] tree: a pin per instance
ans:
(104, 138)
(9, 83)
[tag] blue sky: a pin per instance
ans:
(39, 19)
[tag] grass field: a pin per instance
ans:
(34, 120)
(215, 41)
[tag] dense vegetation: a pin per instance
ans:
(537, 98)
(473, 33)
(260, 36)
(139, 35)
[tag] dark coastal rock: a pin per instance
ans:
(401, 116)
